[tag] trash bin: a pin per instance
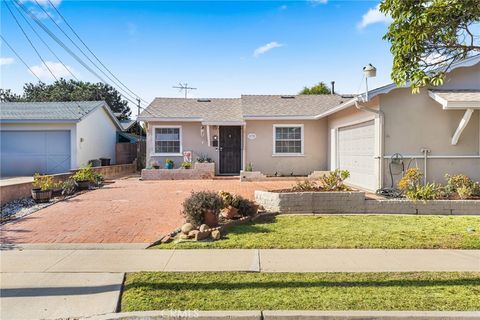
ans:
(105, 161)
(95, 163)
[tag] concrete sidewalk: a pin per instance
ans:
(274, 260)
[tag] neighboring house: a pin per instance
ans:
(54, 137)
(296, 135)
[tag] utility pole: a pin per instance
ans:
(184, 87)
(138, 114)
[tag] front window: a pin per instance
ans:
(167, 140)
(288, 139)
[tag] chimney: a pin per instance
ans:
(333, 87)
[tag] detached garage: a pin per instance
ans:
(54, 137)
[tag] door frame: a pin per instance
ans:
(242, 149)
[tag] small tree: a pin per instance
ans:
(427, 36)
(320, 88)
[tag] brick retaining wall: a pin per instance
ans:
(22, 190)
(198, 172)
(355, 202)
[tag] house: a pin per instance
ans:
(54, 137)
(437, 130)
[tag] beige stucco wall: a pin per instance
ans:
(260, 150)
(191, 141)
(96, 137)
(416, 121)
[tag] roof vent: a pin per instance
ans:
(288, 97)
(204, 100)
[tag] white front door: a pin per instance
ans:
(356, 153)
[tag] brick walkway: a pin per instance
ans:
(127, 211)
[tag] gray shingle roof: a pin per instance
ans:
(458, 95)
(299, 105)
(238, 109)
(48, 111)
(201, 109)
(127, 123)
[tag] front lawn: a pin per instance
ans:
(301, 291)
(351, 231)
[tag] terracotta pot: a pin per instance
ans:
(229, 213)
(210, 218)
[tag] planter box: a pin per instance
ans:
(198, 172)
(252, 176)
(311, 202)
(355, 202)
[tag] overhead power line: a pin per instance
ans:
(30, 41)
(19, 57)
(132, 96)
(93, 54)
(64, 46)
(44, 42)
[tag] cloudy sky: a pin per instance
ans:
(224, 48)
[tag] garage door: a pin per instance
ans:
(356, 153)
(24, 153)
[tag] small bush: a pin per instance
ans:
(227, 198)
(245, 207)
(68, 187)
(462, 185)
(42, 182)
(198, 202)
(186, 164)
(430, 191)
(249, 167)
(334, 180)
(85, 174)
(306, 185)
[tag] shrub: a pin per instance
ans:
(249, 167)
(68, 187)
(430, 191)
(334, 180)
(198, 202)
(461, 185)
(42, 182)
(227, 198)
(305, 185)
(85, 174)
(245, 207)
(186, 164)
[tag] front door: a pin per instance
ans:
(230, 149)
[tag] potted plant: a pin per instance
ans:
(42, 188)
(229, 211)
(155, 165)
(202, 208)
(186, 165)
(84, 177)
(169, 164)
(57, 189)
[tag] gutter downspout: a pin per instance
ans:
(381, 116)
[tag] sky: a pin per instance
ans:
(222, 48)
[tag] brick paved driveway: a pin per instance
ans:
(127, 211)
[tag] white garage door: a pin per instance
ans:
(356, 153)
(24, 153)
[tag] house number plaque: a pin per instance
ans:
(252, 136)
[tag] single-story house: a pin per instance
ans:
(54, 137)
(437, 130)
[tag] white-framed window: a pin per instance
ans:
(167, 140)
(288, 139)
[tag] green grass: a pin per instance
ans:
(350, 231)
(297, 291)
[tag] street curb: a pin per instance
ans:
(180, 314)
(370, 315)
(290, 315)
